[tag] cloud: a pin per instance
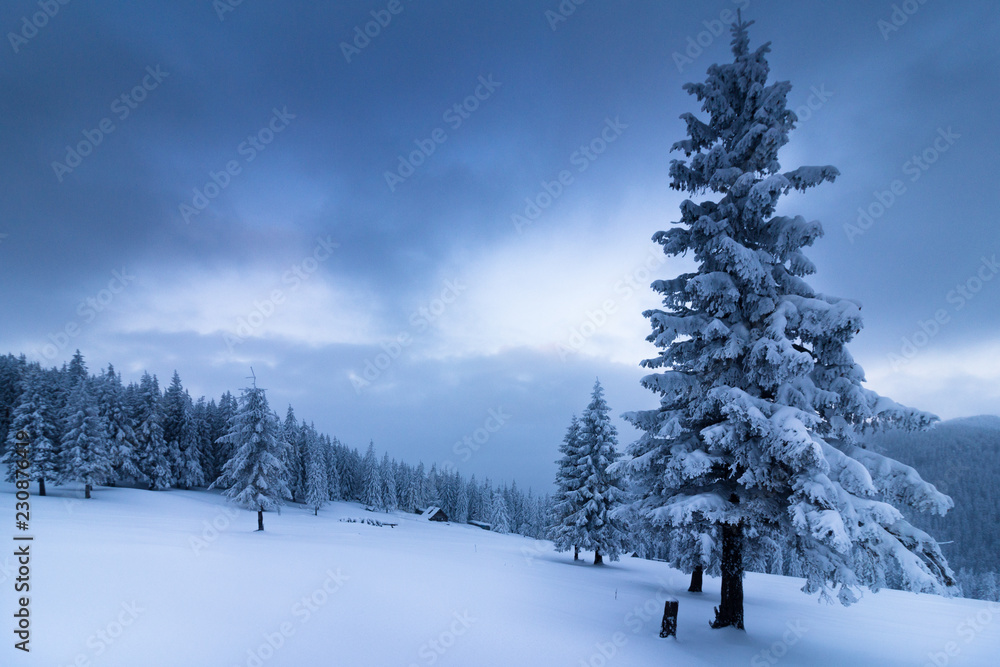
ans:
(957, 381)
(236, 305)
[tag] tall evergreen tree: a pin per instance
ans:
(201, 418)
(461, 514)
(388, 475)
(147, 414)
(181, 436)
(84, 445)
(222, 449)
(420, 482)
(36, 416)
(12, 369)
(568, 499)
(335, 487)
(255, 476)
(476, 504)
(372, 476)
(601, 490)
(588, 492)
(317, 483)
(294, 456)
(499, 515)
(761, 405)
(121, 439)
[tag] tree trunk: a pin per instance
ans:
(260, 519)
(576, 550)
(315, 511)
(696, 577)
(86, 490)
(730, 609)
(598, 558)
(41, 486)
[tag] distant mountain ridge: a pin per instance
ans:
(991, 422)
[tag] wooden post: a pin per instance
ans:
(668, 628)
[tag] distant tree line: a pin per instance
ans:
(962, 458)
(96, 430)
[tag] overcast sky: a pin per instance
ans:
(214, 180)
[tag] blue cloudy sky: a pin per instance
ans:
(203, 187)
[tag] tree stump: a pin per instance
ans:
(668, 627)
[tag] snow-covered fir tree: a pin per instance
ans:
(387, 471)
(431, 491)
(476, 504)
(499, 515)
(294, 456)
(35, 415)
(121, 438)
(147, 415)
(762, 407)
(411, 491)
(201, 418)
(589, 491)
(84, 441)
(255, 476)
(222, 450)
(317, 483)
(372, 488)
(181, 436)
(420, 483)
(568, 500)
(335, 489)
(12, 369)
(461, 514)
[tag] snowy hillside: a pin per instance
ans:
(139, 578)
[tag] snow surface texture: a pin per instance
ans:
(422, 593)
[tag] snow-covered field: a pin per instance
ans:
(180, 578)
